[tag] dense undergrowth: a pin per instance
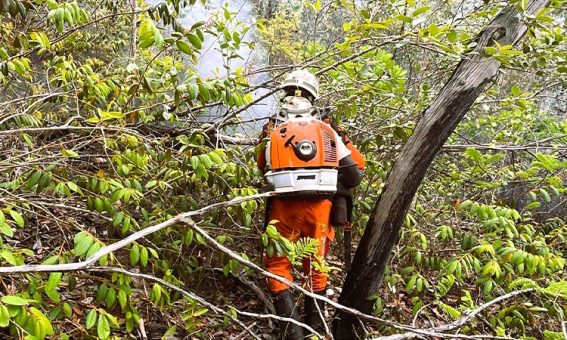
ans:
(103, 135)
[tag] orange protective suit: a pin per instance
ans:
(300, 218)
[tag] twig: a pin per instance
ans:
(280, 318)
(462, 321)
(68, 127)
(74, 266)
(177, 289)
(68, 32)
(244, 331)
(142, 328)
(29, 107)
(184, 218)
(255, 289)
(502, 147)
(435, 331)
(257, 268)
(446, 148)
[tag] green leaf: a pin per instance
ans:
(8, 256)
(194, 40)
(69, 17)
(17, 218)
(404, 18)
(433, 30)
(122, 298)
(533, 205)
(200, 239)
(183, 47)
(110, 115)
(146, 33)
(44, 323)
(317, 5)
(6, 230)
(552, 335)
(545, 195)
(215, 157)
(206, 161)
(13, 300)
(52, 283)
(3, 53)
(83, 246)
(4, 316)
(156, 293)
(170, 331)
(189, 237)
(420, 10)
(556, 289)
(200, 312)
(103, 327)
(193, 90)
(52, 4)
(91, 319)
(67, 310)
(201, 172)
(144, 257)
(51, 260)
(197, 25)
(134, 254)
(74, 187)
(110, 297)
(452, 36)
(79, 236)
(93, 249)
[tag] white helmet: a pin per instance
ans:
(304, 80)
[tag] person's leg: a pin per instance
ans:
(280, 265)
(317, 227)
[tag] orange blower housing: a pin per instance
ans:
(302, 156)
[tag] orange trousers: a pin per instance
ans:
(300, 218)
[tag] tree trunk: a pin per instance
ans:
(437, 123)
(134, 30)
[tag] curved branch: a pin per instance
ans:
(65, 267)
(177, 289)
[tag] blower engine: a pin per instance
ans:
(302, 156)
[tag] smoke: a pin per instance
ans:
(211, 63)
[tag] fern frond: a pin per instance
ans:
(451, 311)
(522, 283)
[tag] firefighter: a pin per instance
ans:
(302, 213)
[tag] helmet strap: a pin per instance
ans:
(297, 93)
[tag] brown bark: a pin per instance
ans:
(134, 31)
(438, 122)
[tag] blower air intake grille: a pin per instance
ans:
(329, 146)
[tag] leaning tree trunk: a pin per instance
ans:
(436, 124)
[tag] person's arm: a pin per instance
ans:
(349, 173)
(355, 154)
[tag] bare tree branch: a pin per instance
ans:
(64, 267)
